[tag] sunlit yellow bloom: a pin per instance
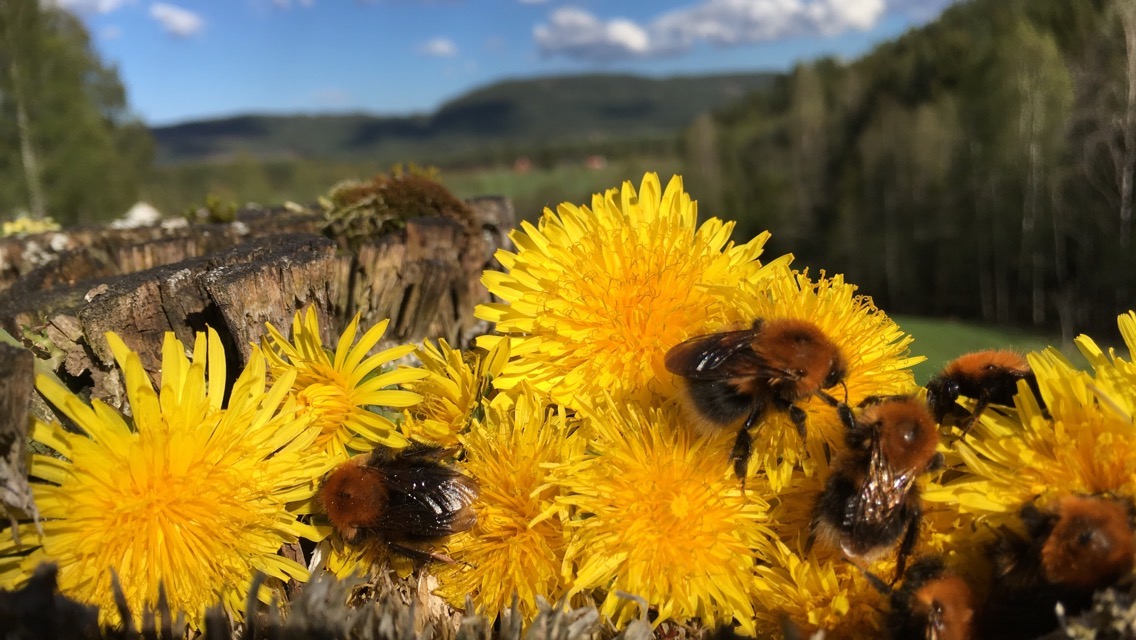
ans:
(340, 389)
(1086, 443)
(359, 559)
(518, 543)
(185, 494)
(24, 225)
(594, 297)
(875, 348)
(826, 593)
(659, 514)
(453, 391)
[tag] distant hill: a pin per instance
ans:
(516, 114)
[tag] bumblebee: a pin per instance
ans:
(871, 500)
(404, 499)
(733, 378)
(990, 377)
(1070, 549)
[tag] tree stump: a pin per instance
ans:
(424, 277)
(16, 371)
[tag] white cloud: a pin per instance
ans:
(439, 47)
(576, 33)
(175, 20)
(89, 6)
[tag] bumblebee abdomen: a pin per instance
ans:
(718, 402)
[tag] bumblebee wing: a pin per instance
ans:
(426, 501)
(715, 356)
(884, 488)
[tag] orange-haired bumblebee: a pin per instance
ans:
(871, 499)
(736, 376)
(932, 604)
(990, 377)
(404, 499)
(1077, 546)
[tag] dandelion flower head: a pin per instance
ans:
(659, 514)
(519, 541)
(186, 496)
(454, 391)
(814, 593)
(594, 297)
(339, 389)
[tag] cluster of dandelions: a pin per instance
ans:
(616, 492)
(594, 484)
(189, 495)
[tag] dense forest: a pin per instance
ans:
(981, 166)
(69, 145)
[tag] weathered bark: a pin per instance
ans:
(295, 272)
(45, 259)
(16, 367)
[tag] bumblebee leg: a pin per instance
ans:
(843, 411)
(937, 463)
(418, 555)
(740, 454)
(798, 416)
(908, 544)
(973, 417)
(743, 445)
(877, 582)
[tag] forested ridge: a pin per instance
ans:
(981, 166)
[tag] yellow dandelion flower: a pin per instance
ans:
(186, 495)
(875, 348)
(453, 391)
(339, 389)
(1084, 441)
(358, 559)
(658, 514)
(825, 593)
(595, 297)
(518, 544)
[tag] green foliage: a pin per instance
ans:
(215, 210)
(70, 148)
(971, 168)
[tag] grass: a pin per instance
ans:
(943, 340)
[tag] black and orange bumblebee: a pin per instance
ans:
(732, 379)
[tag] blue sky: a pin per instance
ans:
(192, 59)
